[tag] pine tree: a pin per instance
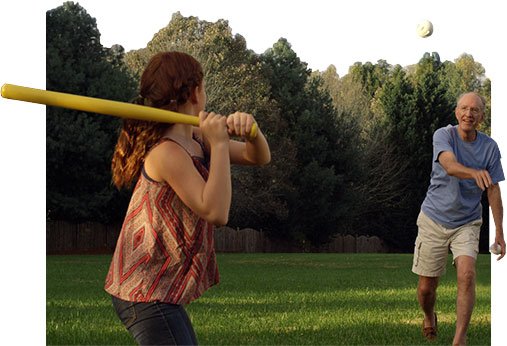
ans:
(79, 146)
(324, 168)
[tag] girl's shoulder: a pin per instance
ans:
(167, 148)
(166, 158)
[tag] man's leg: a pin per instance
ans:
(465, 266)
(430, 259)
(427, 296)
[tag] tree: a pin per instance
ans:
(348, 94)
(413, 107)
(330, 81)
(320, 196)
(79, 145)
(371, 76)
(465, 75)
(485, 126)
(471, 73)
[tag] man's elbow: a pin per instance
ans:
(455, 170)
(450, 171)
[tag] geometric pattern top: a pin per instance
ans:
(165, 251)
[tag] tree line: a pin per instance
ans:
(350, 154)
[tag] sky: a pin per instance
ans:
(320, 32)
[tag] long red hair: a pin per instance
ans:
(167, 82)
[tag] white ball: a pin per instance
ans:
(424, 28)
(496, 251)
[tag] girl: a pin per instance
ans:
(164, 256)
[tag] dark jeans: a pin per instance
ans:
(156, 323)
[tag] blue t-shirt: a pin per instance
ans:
(451, 201)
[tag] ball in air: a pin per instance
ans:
(495, 251)
(424, 28)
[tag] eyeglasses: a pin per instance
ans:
(473, 110)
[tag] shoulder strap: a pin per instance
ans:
(167, 139)
(201, 143)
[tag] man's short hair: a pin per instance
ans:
(483, 100)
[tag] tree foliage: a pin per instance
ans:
(79, 145)
(324, 166)
(465, 75)
(414, 108)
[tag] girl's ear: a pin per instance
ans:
(194, 95)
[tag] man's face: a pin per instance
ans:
(469, 112)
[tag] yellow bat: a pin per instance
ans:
(96, 105)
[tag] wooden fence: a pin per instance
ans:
(87, 237)
(90, 237)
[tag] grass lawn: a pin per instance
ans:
(276, 299)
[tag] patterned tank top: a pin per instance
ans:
(165, 251)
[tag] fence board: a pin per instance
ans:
(89, 237)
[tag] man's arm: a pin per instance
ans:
(495, 202)
(456, 169)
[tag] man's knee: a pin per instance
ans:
(427, 286)
(466, 270)
(466, 277)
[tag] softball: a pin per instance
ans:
(496, 251)
(424, 28)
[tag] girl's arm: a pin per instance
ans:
(251, 152)
(209, 199)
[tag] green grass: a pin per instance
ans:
(277, 299)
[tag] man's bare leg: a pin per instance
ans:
(465, 266)
(427, 296)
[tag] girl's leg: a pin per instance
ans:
(156, 323)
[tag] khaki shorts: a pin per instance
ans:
(434, 241)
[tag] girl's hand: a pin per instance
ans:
(239, 125)
(214, 127)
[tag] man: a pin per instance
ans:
(466, 162)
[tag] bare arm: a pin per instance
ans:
(253, 151)
(456, 169)
(209, 199)
(495, 202)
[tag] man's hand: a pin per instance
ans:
(482, 178)
(500, 241)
